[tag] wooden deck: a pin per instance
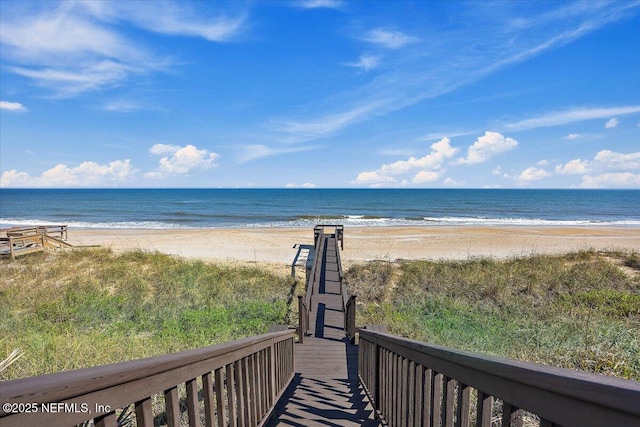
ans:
(325, 389)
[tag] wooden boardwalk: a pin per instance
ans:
(325, 390)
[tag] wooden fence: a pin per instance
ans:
(411, 383)
(232, 384)
(23, 241)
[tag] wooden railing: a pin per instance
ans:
(348, 305)
(348, 301)
(22, 241)
(338, 229)
(304, 306)
(411, 383)
(59, 231)
(235, 384)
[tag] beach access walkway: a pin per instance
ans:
(323, 379)
(325, 390)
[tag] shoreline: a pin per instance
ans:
(361, 244)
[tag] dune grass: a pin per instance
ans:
(578, 311)
(84, 308)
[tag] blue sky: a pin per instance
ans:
(324, 93)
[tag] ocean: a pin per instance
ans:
(231, 208)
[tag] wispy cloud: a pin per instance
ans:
(558, 118)
(389, 39)
(319, 4)
(12, 106)
(612, 123)
(128, 106)
(366, 62)
(169, 17)
(74, 47)
(307, 130)
(428, 64)
(257, 151)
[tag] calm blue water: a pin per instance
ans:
(172, 208)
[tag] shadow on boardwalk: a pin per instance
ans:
(325, 390)
(314, 399)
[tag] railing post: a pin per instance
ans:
(350, 318)
(376, 377)
(301, 319)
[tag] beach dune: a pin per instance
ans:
(276, 245)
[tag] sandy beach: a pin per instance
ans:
(276, 245)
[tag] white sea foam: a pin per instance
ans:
(347, 220)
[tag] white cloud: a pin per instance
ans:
(389, 39)
(87, 174)
(430, 167)
(304, 185)
(617, 179)
(74, 47)
(181, 160)
(258, 151)
(366, 62)
(427, 176)
(607, 169)
(160, 149)
(456, 57)
(175, 18)
(12, 106)
(558, 118)
(487, 146)
(440, 151)
(573, 136)
(611, 160)
(316, 4)
(543, 163)
(323, 126)
(532, 174)
(372, 178)
(573, 167)
(13, 178)
(612, 123)
(497, 170)
(127, 106)
(450, 182)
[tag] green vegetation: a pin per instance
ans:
(84, 308)
(578, 311)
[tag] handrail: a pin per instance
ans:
(303, 318)
(241, 382)
(22, 241)
(339, 231)
(409, 381)
(22, 245)
(61, 230)
(320, 246)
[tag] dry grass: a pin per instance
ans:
(85, 308)
(579, 311)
